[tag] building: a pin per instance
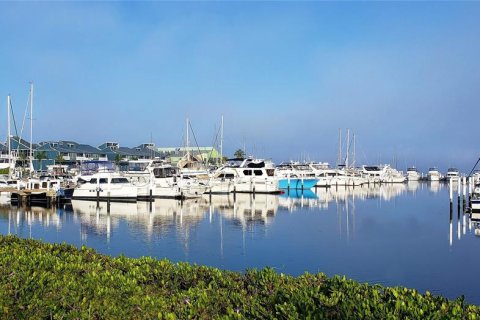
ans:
(64, 152)
(203, 154)
(116, 153)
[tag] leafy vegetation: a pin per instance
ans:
(40, 281)
(239, 154)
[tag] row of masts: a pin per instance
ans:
(9, 113)
(340, 160)
(187, 141)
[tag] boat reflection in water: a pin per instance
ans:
(165, 214)
(157, 217)
(243, 208)
(435, 186)
(322, 197)
(366, 233)
(18, 218)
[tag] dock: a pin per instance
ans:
(29, 196)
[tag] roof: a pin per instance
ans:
(69, 147)
(21, 144)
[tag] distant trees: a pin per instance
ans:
(40, 156)
(118, 158)
(59, 159)
(240, 154)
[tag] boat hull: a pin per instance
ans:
(297, 183)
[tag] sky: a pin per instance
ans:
(403, 77)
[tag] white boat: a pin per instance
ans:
(106, 186)
(413, 174)
(433, 174)
(334, 177)
(452, 175)
(475, 199)
(250, 175)
(383, 174)
(295, 175)
(159, 179)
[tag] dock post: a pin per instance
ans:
(459, 182)
(98, 197)
(288, 182)
(151, 195)
(470, 185)
(234, 193)
(108, 202)
(451, 191)
(464, 192)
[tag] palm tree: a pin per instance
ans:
(41, 155)
(59, 158)
(240, 154)
(118, 158)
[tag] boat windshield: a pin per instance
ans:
(91, 167)
(137, 166)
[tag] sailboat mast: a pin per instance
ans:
(187, 142)
(221, 141)
(348, 148)
(339, 160)
(8, 137)
(31, 128)
(353, 154)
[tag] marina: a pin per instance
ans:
(391, 234)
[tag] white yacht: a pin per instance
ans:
(328, 177)
(248, 176)
(159, 179)
(383, 173)
(106, 186)
(475, 200)
(413, 174)
(452, 174)
(433, 174)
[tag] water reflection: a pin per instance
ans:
(395, 234)
(158, 217)
(244, 209)
(163, 216)
(26, 217)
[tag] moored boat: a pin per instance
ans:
(433, 174)
(413, 174)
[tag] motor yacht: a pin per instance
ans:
(248, 176)
(413, 174)
(433, 174)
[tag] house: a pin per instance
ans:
(64, 152)
(115, 152)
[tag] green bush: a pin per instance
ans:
(52, 281)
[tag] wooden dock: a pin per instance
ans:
(29, 196)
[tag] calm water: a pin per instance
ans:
(392, 235)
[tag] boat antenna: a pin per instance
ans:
(474, 167)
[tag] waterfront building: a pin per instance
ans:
(115, 152)
(202, 154)
(64, 153)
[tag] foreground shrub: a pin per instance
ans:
(51, 281)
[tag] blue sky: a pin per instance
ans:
(403, 76)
